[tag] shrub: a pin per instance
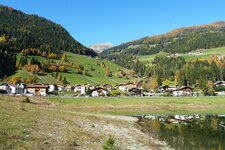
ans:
(109, 144)
(26, 100)
(88, 92)
(115, 93)
(219, 88)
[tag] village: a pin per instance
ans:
(101, 90)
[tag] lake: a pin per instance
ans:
(187, 132)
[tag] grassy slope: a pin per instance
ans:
(148, 58)
(206, 54)
(97, 76)
(184, 105)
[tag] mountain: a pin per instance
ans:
(100, 47)
(180, 40)
(24, 31)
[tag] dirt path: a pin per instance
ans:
(121, 128)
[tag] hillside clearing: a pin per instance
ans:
(205, 53)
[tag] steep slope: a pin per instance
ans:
(178, 41)
(31, 31)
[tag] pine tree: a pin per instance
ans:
(64, 81)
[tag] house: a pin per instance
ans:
(130, 85)
(80, 89)
(69, 88)
(60, 88)
(126, 87)
(163, 88)
(219, 83)
(167, 88)
(6, 87)
(183, 91)
(99, 91)
(91, 87)
(107, 86)
(12, 89)
(135, 92)
(147, 93)
(52, 88)
(16, 89)
(38, 89)
(120, 87)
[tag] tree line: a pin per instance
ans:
(178, 41)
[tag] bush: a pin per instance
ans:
(26, 100)
(219, 88)
(88, 92)
(109, 144)
(115, 93)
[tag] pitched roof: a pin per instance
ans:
(38, 86)
(99, 88)
(4, 84)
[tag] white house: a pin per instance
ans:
(99, 92)
(16, 89)
(69, 88)
(180, 117)
(121, 87)
(183, 91)
(126, 87)
(6, 87)
(80, 89)
(60, 88)
(12, 89)
(148, 93)
(52, 88)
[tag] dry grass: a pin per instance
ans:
(49, 125)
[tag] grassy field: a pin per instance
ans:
(86, 123)
(148, 58)
(126, 106)
(205, 54)
(97, 74)
(43, 124)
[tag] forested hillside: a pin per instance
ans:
(34, 35)
(31, 31)
(178, 41)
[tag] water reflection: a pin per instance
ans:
(186, 132)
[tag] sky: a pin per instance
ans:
(119, 21)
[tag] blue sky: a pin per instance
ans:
(119, 21)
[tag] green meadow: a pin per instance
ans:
(152, 105)
(205, 54)
(93, 65)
